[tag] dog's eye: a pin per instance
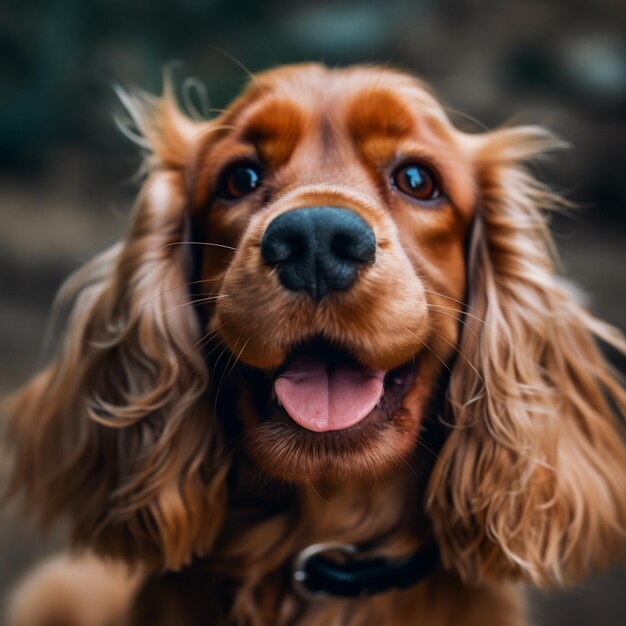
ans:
(240, 180)
(417, 181)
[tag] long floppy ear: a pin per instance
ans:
(116, 432)
(532, 480)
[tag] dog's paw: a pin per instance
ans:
(73, 591)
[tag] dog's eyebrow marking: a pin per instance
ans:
(378, 113)
(275, 129)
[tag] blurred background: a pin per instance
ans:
(66, 173)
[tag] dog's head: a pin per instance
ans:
(330, 264)
(335, 207)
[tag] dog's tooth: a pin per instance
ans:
(280, 404)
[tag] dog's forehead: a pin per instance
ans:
(361, 99)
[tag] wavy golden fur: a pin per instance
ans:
(123, 432)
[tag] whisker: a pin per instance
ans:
(192, 302)
(227, 374)
(470, 118)
(219, 358)
(428, 348)
(197, 243)
(200, 344)
(181, 286)
(458, 351)
(205, 340)
(464, 313)
(219, 385)
(411, 468)
(454, 317)
(315, 491)
(470, 329)
(239, 64)
(214, 129)
(228, 371)
(421, 443)
(443, 295)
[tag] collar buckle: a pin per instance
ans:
(300, 575)
(316, 576)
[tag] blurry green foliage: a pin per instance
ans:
(59, 58)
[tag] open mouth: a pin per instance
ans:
(323, 388)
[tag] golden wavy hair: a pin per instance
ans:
(532, 479)
(115, 434)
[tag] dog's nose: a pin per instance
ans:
(318, 249)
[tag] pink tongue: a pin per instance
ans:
(323, 400)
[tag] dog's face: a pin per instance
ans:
(336, 205)
(364, 265)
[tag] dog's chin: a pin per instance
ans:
(365, 424)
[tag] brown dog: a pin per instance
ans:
(335, 318)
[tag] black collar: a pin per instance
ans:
(318, 576)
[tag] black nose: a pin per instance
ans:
(318, 249)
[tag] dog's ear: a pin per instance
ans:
(116, 433)
(532, 479)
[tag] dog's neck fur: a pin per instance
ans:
(256, 558)
(268, 522)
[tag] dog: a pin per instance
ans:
(330, 376)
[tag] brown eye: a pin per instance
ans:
(239, 181)
(417, 181)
